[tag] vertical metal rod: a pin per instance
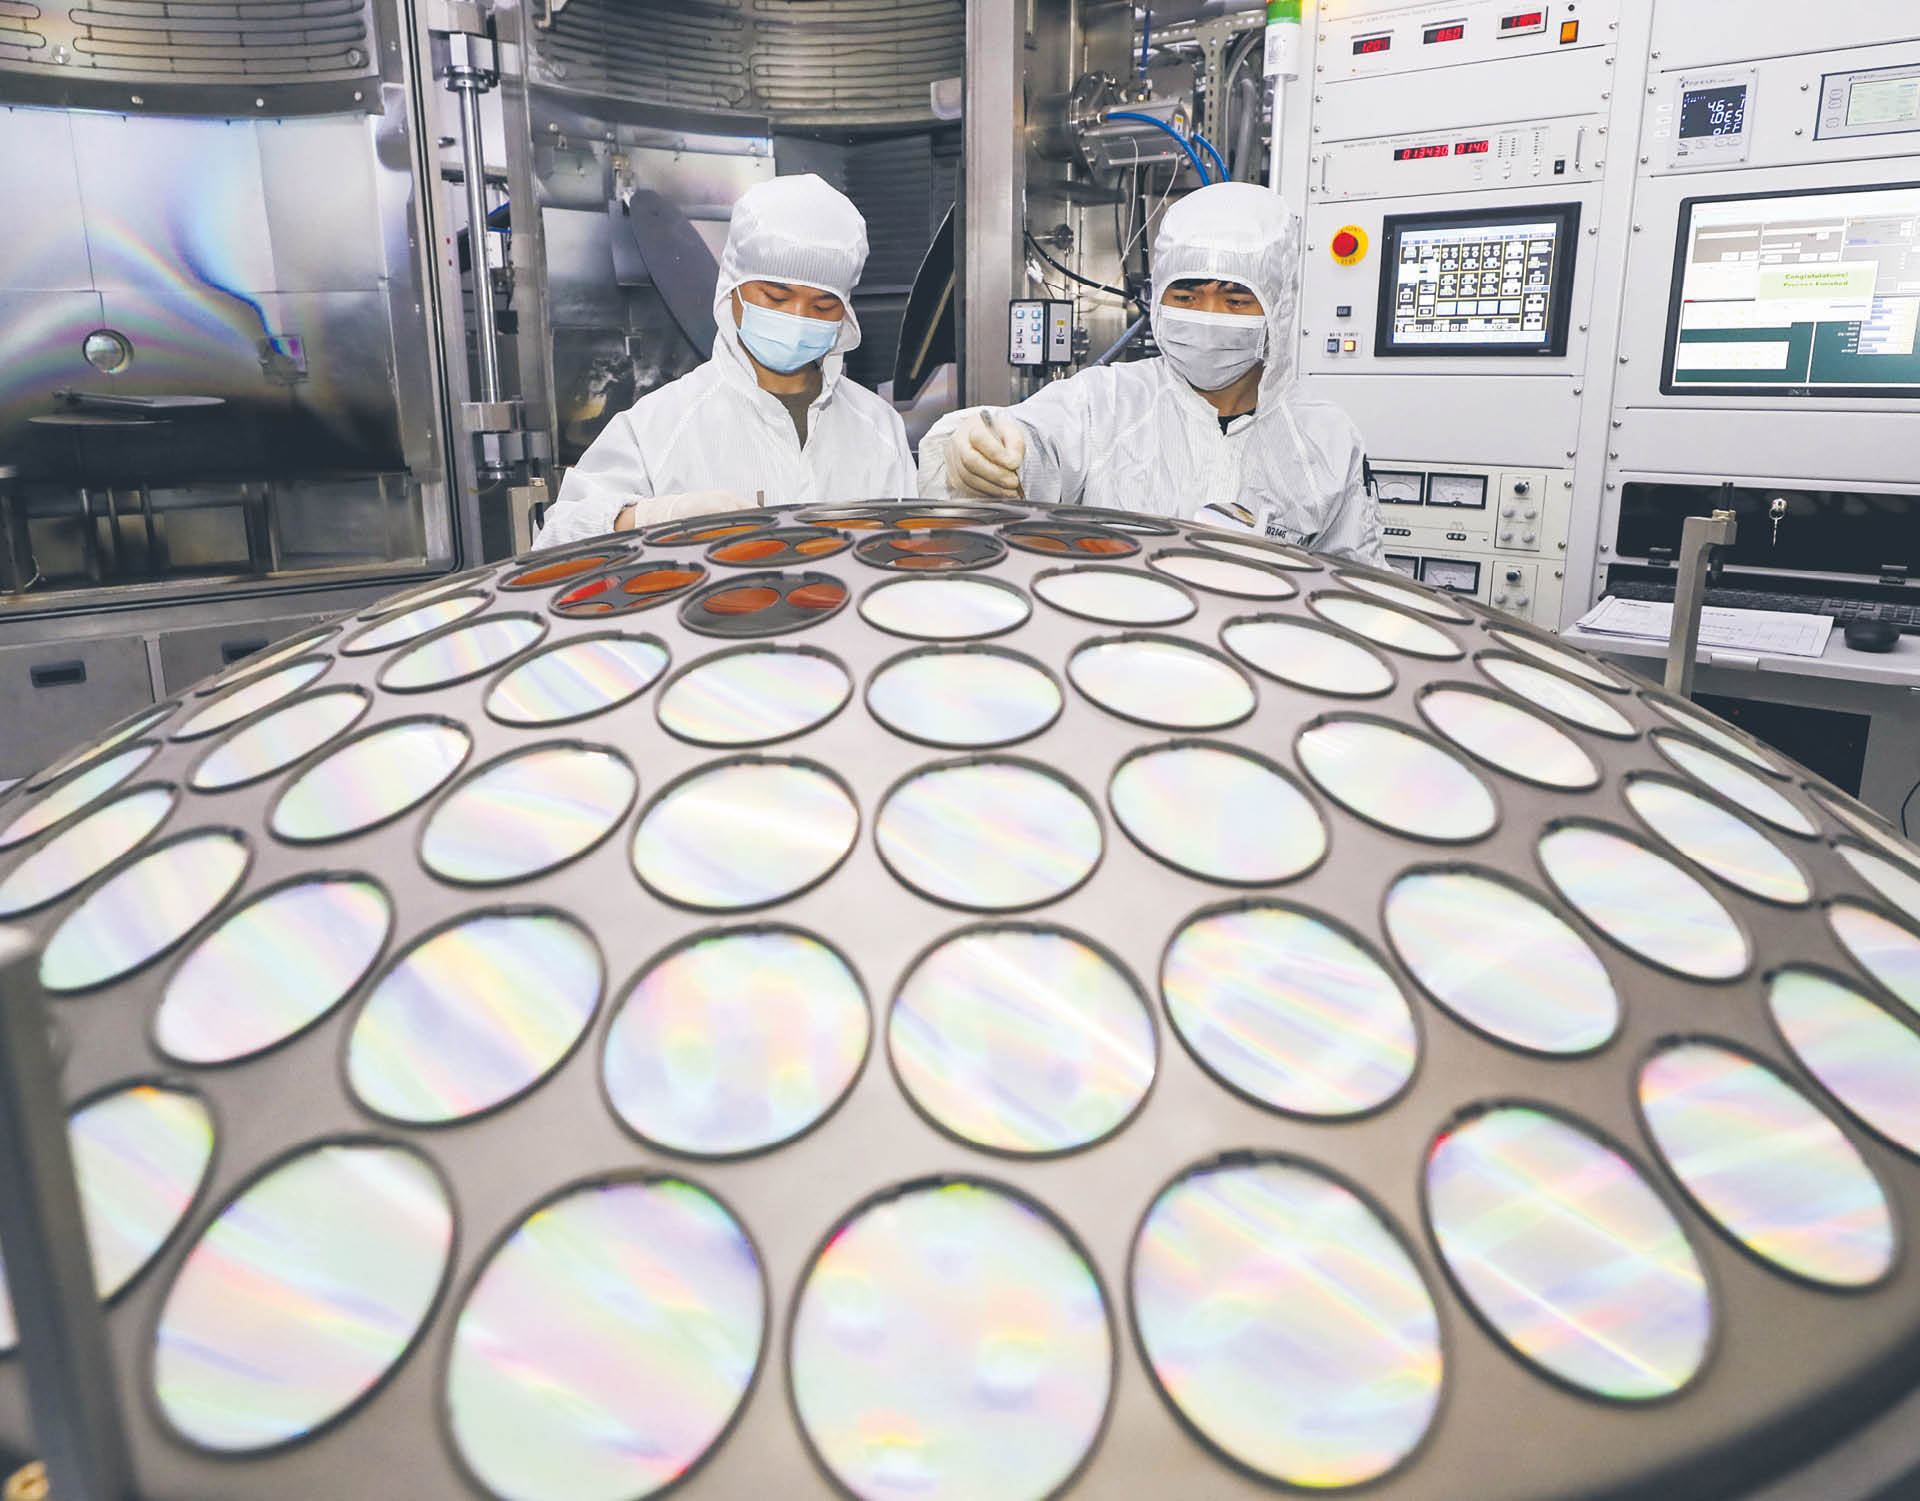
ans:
(270, 514)
(113, 534)
(145, 496)
(90, 539)
(992, 259)
(473, 166)
(16, 542)
(1282, 48)
(1699, 535)
(253, 519)
(1273, 145)
(63, 1335)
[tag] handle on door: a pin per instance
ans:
(58, 674)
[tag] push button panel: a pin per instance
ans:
(1514, 587)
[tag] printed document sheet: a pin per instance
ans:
(1785, 633)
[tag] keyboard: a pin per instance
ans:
(1907, 617)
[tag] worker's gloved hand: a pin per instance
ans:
(1228, 515)
(984, 455)
(680, 507)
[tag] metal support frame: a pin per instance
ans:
(1215, 38)
(526, 505)
(63, 1337)
(1699, 535)
(467, 57)
(531, 345)
(470, 73)
(992, 202)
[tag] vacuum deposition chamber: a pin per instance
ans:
(221, 389)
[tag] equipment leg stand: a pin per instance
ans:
(63, 1336)
(1699, 535)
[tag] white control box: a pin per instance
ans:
(1039, 332)
(1027, 332)
(1368, 40)
(1463, 159)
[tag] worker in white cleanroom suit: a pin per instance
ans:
(1215, 429)
(771, 418)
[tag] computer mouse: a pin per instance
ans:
(1872, 635)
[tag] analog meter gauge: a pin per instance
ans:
(1456, 575)
(1467, 492)
(1398, 487)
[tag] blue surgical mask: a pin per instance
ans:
(785, 341)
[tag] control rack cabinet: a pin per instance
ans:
(1459, 199)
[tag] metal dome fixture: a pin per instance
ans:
(916, 1001)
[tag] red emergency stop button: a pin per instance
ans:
(1349, 244)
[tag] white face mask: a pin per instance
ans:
(1211, 350)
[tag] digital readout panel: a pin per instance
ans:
(1706, 113)
(1798, 294)
(1477, 283)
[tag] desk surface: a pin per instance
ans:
(1899, 668)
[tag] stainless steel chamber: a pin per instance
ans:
(221, 380)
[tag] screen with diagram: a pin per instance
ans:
(1802, 294)
(1477, 283)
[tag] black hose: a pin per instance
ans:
(1072, 275)
(1229, 83)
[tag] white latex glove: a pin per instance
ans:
(680, 507)
(984, 455)
(1228, 516)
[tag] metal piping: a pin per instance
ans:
(469, 82)
(1178, 139)
(1133, 330)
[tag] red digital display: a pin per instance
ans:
(1516, 23)
(1420, 153)
(1450, 33)
(1471, 148)
(1368, 45)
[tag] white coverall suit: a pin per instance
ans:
(681, 449)
(1137, 437)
